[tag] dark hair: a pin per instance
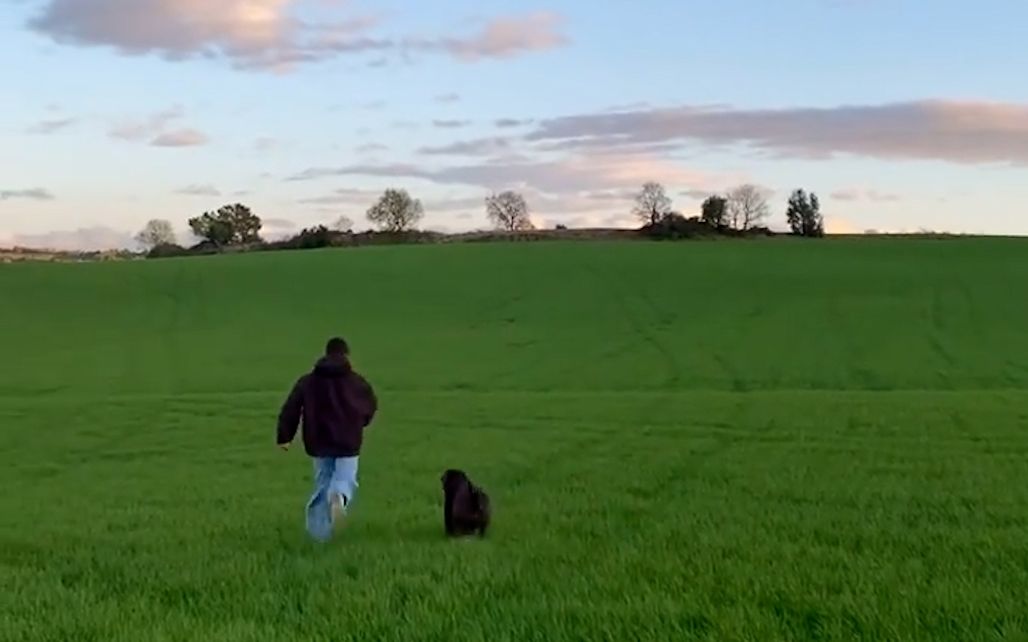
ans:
(337, 347)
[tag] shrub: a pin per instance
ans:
(166, 251)
(675, 226)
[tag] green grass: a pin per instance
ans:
(710, 441)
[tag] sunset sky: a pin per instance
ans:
(900, 114)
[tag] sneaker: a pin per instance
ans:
(338, 505)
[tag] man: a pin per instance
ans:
(335, 404)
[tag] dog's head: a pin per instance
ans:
(453, 477)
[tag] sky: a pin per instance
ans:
(901, 115)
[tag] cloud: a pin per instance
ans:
(86, 239)
(199, 190)
(155, 129)
(511, 36)
(507, 123)
(696, 194)
(250, 33)
(50, 126)
(180, 138)
(270, 34)
(342, 196)
(958, 132)
(371, 148)
(448, 98)
(611, 195)
(264, 144)
(451, 124)
(33, 194)
(857, 194)
(460, 204)
(572, 174)
(141, 129)
(476, 147)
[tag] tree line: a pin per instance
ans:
(743, 210)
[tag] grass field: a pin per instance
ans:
(711, 441)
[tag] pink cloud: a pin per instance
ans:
(157, 129)
(268, 34)
(180, 138)
(511, 36)
(141, 129)
(572, 174)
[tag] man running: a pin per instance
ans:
(335, 404)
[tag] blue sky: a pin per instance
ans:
(901, 115)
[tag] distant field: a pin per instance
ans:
(760, 440)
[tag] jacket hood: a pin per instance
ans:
(332, 367)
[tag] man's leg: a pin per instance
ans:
(343, 487)
(319, 517)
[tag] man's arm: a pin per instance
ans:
(289, 415)
(369, 402)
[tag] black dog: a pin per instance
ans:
(466, 509)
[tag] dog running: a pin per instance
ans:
(466, 509)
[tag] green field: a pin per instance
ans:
(764, 440)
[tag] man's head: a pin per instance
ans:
(337, 347)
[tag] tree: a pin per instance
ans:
(230, 225)
(156, 232)
(396, 211)
(804, 215)
(714, 211)
(342, 224)
(747, 206)
(508, 211)
(652, 204)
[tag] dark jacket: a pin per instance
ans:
(335, 404)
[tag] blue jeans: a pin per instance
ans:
(332, 477)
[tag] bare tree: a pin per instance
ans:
(747, 207)
(508, 211)
(156, 232)
(396, 211)
(652, 204)
(342, 224)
